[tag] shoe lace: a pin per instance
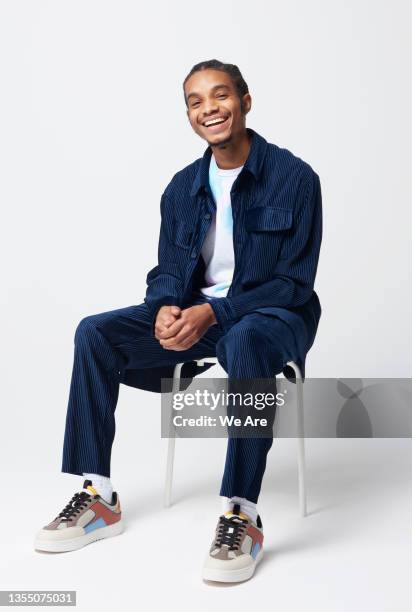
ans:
(75, 505)
(230, 531)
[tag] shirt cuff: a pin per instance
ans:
(224, 311)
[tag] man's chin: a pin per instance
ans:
(220, 144)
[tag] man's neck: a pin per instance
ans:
(234, 153)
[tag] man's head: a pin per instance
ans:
(215, 91)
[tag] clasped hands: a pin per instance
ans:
(178, 329)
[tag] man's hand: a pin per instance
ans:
(165, 317)
(186, 329)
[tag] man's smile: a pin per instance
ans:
(216, 124)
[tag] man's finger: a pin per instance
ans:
(189, 342)
(173, 329)
(164, 321)
(162, 326)
(184, 345)
(181, 336)
(167, 320)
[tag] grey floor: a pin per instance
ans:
(351, 552)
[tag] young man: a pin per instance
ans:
(238, 251)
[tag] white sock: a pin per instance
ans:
(102, 485)
(246, 506)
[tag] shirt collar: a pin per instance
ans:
(253, 164)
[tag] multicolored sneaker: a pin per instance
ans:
(236, 549)
(86, 518)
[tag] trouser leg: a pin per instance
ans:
(94, 390)
(257, 346)
(106, 345)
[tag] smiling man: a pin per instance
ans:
(239, 244)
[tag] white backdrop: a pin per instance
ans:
(93, 127)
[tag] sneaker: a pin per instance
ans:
(236, 549)
(86, 518)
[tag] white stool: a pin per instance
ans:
(300, 433)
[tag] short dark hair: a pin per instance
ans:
(231, 69)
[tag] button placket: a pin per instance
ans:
(205, 217)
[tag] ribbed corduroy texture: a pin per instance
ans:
(270, 315)
(277, 219)
(106, 344)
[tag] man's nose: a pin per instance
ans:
(211, 106)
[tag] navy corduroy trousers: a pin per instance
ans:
(256, 346)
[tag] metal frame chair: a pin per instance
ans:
(300, 434)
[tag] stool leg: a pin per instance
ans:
(301, 446)
(171, 440)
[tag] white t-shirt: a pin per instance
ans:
(217, 250)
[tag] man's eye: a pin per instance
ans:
(194, 104)
(222, 96)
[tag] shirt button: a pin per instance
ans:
(193, 255)
(208, 216)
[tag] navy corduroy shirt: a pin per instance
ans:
(277, 232)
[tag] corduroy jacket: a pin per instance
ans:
(277, 232)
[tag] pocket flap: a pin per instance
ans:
(268, 219)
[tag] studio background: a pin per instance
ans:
(93, 127)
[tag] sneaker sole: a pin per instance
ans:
(238, 575)
(76, 543)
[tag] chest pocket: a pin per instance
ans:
(266, 229)
(182, 234)
(268, 219)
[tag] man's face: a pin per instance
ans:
(214, 107)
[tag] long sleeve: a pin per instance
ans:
(294, 275)
(164, 286)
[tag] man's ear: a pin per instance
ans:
(246, 103)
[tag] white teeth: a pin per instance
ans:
(214, 121)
